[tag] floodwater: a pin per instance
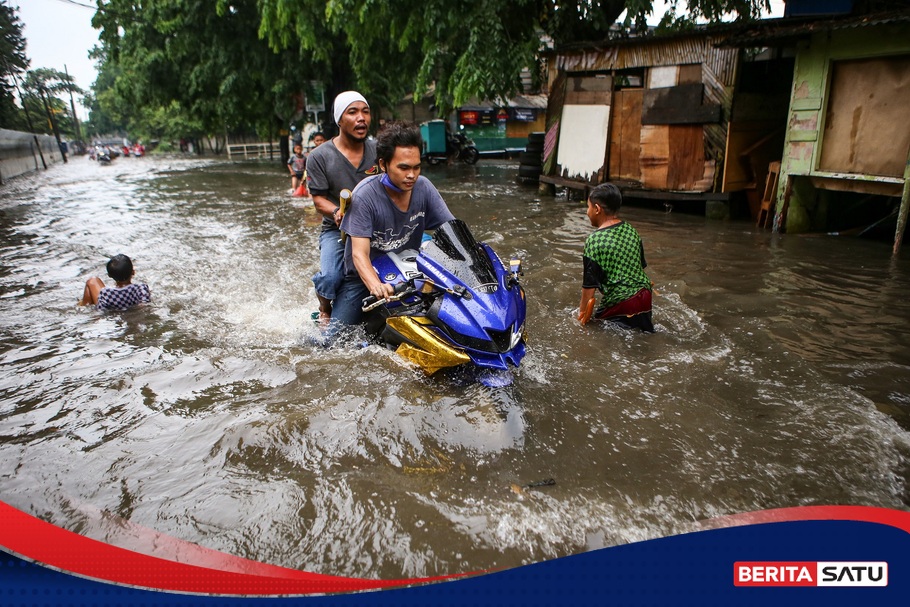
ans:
(779, 376)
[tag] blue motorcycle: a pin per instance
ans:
(455, 304)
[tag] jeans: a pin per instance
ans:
(346, 312)
(349, 301)
(331, 264)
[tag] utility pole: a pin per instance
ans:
(73, 108)
(50, 117)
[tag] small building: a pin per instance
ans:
(846, 157)
(492, 125)
(503, 124)
(659, 116)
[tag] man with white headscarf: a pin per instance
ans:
(338, 164)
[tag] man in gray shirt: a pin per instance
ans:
(338, 164)
(389, 213)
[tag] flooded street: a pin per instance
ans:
(779, 376)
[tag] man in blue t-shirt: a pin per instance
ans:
(389, 213)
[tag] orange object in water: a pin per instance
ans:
(585, 315)
(301, 190)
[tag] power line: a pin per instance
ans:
(89, 6)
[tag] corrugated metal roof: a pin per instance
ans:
(698, 31)
(650, 53)
(777, 31)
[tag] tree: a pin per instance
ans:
(228, 65)
(46, 84)
(13, 63)
(107, 112)
(466, 48)
(201, 58)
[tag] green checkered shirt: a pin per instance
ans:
(614, 263)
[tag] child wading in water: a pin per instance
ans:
(614, 264)
(121, 297)
(297, 166)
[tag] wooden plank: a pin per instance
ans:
(802, 136)
(860, 186)
(690, 74)
(587, 98)
(808, 103)
(555, 102)
(565, 183)
(681, 196)
(589, 83)
(686, 163)
(625, 135)
(588, 90)
(655, 156)
(866, 129)
(681, 104)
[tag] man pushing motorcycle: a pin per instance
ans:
(389, 213)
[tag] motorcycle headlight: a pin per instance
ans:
(516, 337)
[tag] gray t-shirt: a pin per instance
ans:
(329, 172)
(373, 215)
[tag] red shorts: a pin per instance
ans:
(624, 311)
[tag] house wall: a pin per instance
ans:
(683, 114)
(802, 201)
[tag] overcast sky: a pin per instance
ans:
(59, 33)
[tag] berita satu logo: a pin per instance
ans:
(811, 573)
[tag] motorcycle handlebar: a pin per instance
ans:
(402, 289)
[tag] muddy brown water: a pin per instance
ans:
(779, 376)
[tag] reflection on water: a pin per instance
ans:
(779, 376)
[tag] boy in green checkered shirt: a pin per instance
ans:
(614, 264)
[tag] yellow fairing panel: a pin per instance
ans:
(431, 353)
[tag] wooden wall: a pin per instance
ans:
(667, 134)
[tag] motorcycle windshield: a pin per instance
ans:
(453, 247)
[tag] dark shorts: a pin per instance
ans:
(299, 175)
(634, 312)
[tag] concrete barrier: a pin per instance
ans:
(22, 153)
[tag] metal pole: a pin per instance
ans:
(50, 117)
(73, 108)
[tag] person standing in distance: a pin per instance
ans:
(614, 264)
(339, 164)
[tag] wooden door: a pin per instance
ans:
(625, 135)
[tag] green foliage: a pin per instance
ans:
(465, 49)
(225, 65)
(43, 85)
(202, 59)
(13, 62)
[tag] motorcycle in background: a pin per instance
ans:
(440, 145)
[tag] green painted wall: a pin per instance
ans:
(808, 101)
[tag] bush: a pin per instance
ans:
(165, 147)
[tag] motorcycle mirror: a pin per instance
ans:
(515, 267)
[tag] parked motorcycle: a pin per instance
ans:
(455, 304)
(458, 148)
